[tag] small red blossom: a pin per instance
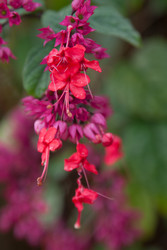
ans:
(107, 139)
(79, 160)
(114, 152)
(65, 66)
(46, 143)
(83, 195)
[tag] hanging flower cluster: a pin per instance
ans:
(68, 110)
(9, 14)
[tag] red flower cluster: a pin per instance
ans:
(68, 109)
(66, 66)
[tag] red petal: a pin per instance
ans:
(78, 92)
(72, 162)
(74, 68)
(92, 64)
(70, 165)
(55, 144)
(41, 147)
(43, 157)
(42, 134)
(80, 80)
(82, 150)
(76, 53)
(77, 203)
(50, 134)
(89, 196)
(90, 167)
(56, 86)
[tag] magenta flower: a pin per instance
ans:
(47, 34)
(5, 54)
(4, 11)
(14, 18)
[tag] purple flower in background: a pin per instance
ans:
(117, 224)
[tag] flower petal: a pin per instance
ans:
(92, 64)
(42, 134)
(50, 134)
(55, 144)
(54, 86)
(78, 92)
(41, 147)
(90, 167)
(76, 53)
(80, 80)
(82, 150)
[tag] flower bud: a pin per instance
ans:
(75, 132)
(92, 133)
(82, 114)
(61, 127)
(99, 120)
(76, 4)
(38, 125)
(107, 139)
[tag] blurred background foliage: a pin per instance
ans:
(135, 80)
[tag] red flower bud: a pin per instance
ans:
(107, 139)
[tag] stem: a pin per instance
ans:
(69, 28)
(41, 179)
(87, 182)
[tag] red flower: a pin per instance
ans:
(82, 195)
(65, 66)
(46, 143)
(114, 152)
(78, 160)
(75, 83)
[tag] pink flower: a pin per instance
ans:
(4, 11)
(29, 5)
(76, 4)
(16, 3)
(14, 18)
(5, 54)
(47, 34)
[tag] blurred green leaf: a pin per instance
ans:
(158, 6)
(35, 79)
(54, 198)
(140, 199)
(56, 165)
(53, 18)
(138, 87)
(145, 146)
(107, 20)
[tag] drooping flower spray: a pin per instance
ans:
(68, 109)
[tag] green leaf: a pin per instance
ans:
(140, 199)
(53, 18)
(145, 146)
(53, 196)
(107, 20)
(138, 87)
(35, 80)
